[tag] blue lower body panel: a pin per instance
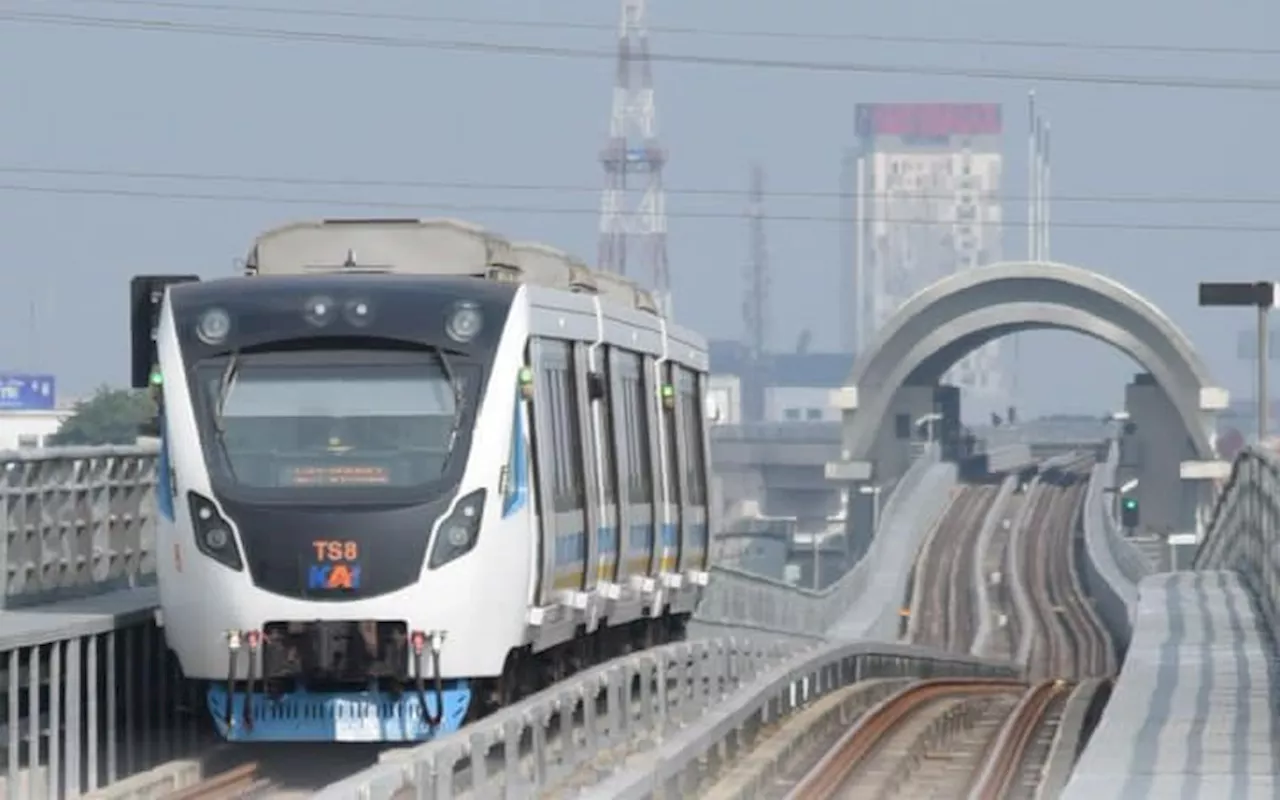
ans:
(368, 716)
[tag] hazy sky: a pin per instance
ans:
(89, 98)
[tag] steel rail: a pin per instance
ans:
(240, 781)
(1010, 747)
(852, 749)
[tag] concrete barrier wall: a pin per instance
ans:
(1112, 567)
(981, 584)
(885, 569)
(736, 600)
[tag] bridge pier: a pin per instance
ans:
(1175, 487)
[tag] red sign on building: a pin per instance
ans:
(928, 120)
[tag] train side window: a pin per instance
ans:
(675, 496)
(694, 466)
(557, 376)
(641, 477)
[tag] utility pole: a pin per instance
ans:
(1038, 176)
(633, 149)
(755, 311)
(755, 303)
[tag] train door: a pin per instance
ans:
(561, 489)
(585, 453)
(635, 463)
(607, 464)
(673, 494)
(687, 419)
(522, 478)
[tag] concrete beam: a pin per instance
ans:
(849, 471)
(1213, 398)
(1204, 470)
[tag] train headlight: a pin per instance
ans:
(459, 531)
(217, 538)
(465, 321)
(213, 327)
(320, 310)
(359, 313)
(213, 533)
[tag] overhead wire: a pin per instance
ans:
(556, 51)
(546, 210)
(810, 36)
(404, 183)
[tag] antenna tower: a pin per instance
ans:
(755, 317)
(633, 149)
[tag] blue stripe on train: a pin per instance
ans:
(368, 716)
(640, 541)
(164, 480)
(518, 477)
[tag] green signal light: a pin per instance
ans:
(156, 378)
(1130, 503)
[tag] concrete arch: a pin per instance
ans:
(947, 320)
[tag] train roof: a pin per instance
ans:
(431, 247)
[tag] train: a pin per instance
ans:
(411, 471)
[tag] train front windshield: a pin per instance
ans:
(297, 420)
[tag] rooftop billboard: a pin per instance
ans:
(928, 120)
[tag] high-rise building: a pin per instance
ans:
(926, 204)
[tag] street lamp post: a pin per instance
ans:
(1261, 295)
(929, 420)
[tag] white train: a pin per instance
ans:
(411, 472)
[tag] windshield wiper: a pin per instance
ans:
(452, 378)
(225, 385)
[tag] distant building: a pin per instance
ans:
(926, 187)
(30, 430)
(781, 387)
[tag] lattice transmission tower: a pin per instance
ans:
(633, 215)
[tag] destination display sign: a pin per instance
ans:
(339, 475)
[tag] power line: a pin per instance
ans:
(400, 183)
(811, 36)
(335, 202)
(546, 51)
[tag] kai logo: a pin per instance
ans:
(337, 565)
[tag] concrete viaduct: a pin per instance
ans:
(895, 380)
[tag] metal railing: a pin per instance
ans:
(91, 700)
(75, 522)
(656, 714)
(1244, 529)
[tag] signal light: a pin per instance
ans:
(1129, 514)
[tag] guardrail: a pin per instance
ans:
(654, 714)
(981, 580)
(1244, 529)
(886, 568)
(742, 600)
(89, 697)
(75, 522)
(1112, 566)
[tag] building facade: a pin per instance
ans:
(926, 204)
